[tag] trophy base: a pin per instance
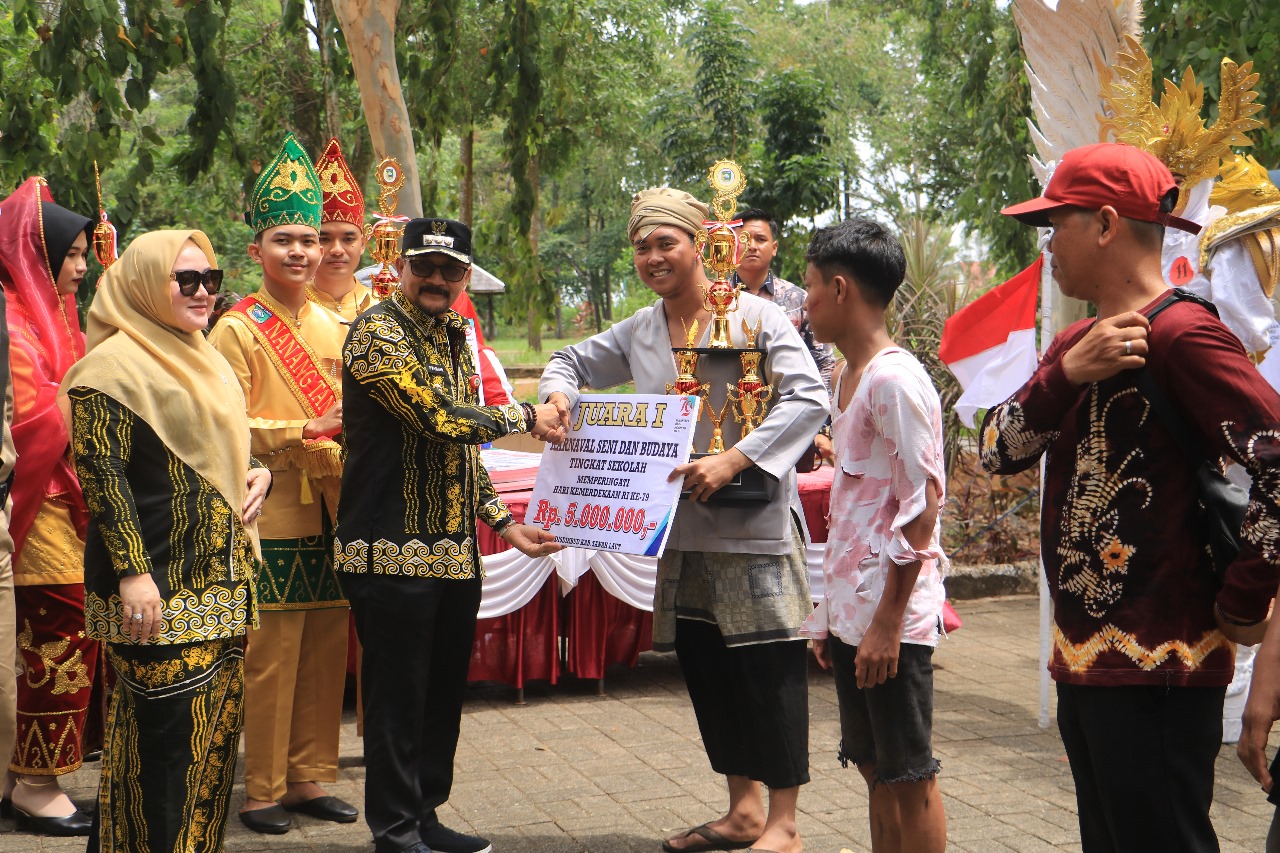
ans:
(748, 487)
(720, 350)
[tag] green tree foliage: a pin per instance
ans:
(281, 86)
(722, 46)
(1199, 34)
(78, 82)
(546, 115)
(972, 129)
(711, 120)
(797, 178)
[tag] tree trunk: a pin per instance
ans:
(608, 284)
(304, 119)
(534, 316)
(431, 186)
(466, 193)
(332, 108)
(369, 27)
(847, 181)
(597, 298)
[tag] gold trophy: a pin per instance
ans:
(724, 244)
(751, 395)
(721, 245)
(386, 233)
(687, 366)
(104, 233)
(717, 434)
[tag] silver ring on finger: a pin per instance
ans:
(1128, 347)
(137, 617)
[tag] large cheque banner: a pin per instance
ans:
(605, 487)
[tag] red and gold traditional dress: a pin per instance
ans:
(57, 660)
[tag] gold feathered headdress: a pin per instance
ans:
(1174, 130)
(1245, 183)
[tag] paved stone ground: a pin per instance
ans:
(572, 772)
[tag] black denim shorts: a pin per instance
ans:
(889, 725)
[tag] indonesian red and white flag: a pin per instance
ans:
(990, 344)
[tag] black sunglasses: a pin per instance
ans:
(189, 281)
(450, 270)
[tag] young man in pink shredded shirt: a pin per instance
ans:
(880, 619)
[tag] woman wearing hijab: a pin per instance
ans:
(43, 258)
(161, 443)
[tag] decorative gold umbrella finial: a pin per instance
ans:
(104, 233)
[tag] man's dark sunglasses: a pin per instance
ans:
(450, 270)
(189, 281)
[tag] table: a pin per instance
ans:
(582, 611)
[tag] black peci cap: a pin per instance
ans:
(446, 236)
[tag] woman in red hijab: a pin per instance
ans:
(43, 257)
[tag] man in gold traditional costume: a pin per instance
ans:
(285, 349)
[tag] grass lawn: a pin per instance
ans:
(515, 352)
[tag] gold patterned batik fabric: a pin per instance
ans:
(150, 512)
(414, 484)
(53, 552)
(169, 761)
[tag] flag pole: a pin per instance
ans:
(1046, 615)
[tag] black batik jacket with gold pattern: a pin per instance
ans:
(1132, 585)
(413, 484)
(150, 512)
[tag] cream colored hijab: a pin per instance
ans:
(175, 381)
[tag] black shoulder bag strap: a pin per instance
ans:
(1147, 385)
(1222, 503)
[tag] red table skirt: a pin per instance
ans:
(602, 630)
(524, 645)
(520, 646)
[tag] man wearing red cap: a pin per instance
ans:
(1143, 626)
(341, 237)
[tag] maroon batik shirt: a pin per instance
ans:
(1132, 584)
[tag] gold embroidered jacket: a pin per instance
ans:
(413, 484)
(150, 512)
(359, 300)
(276, 418)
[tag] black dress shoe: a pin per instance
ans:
(77, 823)
(325, 808)
(273, 820)
(6, 808)
(442, 839)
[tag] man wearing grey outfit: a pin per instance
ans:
(732, 587)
